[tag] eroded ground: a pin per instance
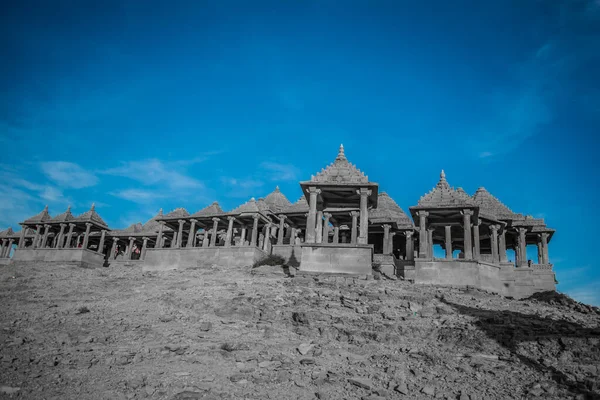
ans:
(69, 333)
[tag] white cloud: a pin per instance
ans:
(138, 195)
(155, 172)
(280, 172)
(68, 175)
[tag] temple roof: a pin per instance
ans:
(7, 233)
(300, 206)
(177, 213)
(152, 224)
(133, 228)
(43, 216)
(64, 217)
(340, 172)
(389, 211)
(92, 216)
(277, 201)
(444, 196)
(251, 206)
(491, 205)
(213, 209)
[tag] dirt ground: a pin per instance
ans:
(212, 333)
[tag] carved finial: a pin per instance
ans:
(443, 175)
(69, 209)
(215, 203)
(46, 208)
(277, 189)
(252, 199)
(160, 212)
(341, 155)
(93, 208)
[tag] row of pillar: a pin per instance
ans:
(6, 248)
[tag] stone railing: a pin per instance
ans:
(542, 267)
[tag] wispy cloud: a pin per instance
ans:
(138, 195)
(68, 174)
(279, 172)
(155, 172)
(240, 188)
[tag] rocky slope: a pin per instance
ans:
(69, 333)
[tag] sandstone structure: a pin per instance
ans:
(341, 225)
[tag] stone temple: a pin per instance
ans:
(342, 224)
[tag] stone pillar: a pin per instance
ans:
(174, 240)
(476, 240)
(21, 243)
(229, 235)
(354, 215)
(254, 236)
(430, 242)
(281, 232)
(319, 227)
(326, 227)
(502, 246)
(467, 228)
(4, 241)
(386, 238)
(192, 236)
(494, 241)
(409, 245)
(101, 245)
(45, 237)
(213, 236)
(363, 236)
(205, 239)
(391, 243)
(293, 236)
(311, 236)
(448, 242)
(540, 251)
(61, 238)
(159, 242)
(545, 256)
(180, 233)
(336, 234)
(522, 247)
(243, 235)
(423, 233)
(86, 238)
(37, 236)
(113, 249)
(130, 251)
(144, 247)
(267, 238)
(9, 248)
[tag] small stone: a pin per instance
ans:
(9, 390)
(307, 361)
(304, 348)
(429, 390)
(205, 326)
(361, 382)
(464, 396)
(236, 377)
(401, 388)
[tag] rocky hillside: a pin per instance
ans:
(70, 333)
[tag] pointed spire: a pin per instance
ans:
(443, 182)
(341, 156)
(93, 208)
(46, 208)
(69, 209)
(277, 189)
(160, 212)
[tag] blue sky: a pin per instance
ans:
(141, 105)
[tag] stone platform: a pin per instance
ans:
(236, 256)
(354, 259)
(82, 257)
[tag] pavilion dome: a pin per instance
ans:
(491, 205)
(444, 196)
(152, 224)
(341, 171)
(64, 217)
(300, 206)
(389, 211)
(177, 213)
(7, 233)
(277, 201)
(92, 216)
(42, 217)
(212, 209)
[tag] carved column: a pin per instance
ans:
(391, 243)
(159, 242)
(267, 237)
(540, 252)
(336, 234)
(281, 232)
(430, 242)
(423, 233)
(70, 236)
(545, 248)
(113, 249)
(477, 243)
(174, 240)
(363, 236)
(502, 245)
(410, 252)
(192, 236)
(494, 241)
(213, 236)
(21, 244)
(311, 219)
(229, 235)
(86, 238)
(130, 251)
(144, 247)
(254, 236)
(448, 243)
(61, 238)
(4, 241)
(354, 215)
(243, 235)
(9, 248)
(205, 239)
(522, 247)
(467, 228)
(101, 245)
(293, 236)
(386, 238)
(37, 236)
(319, 227)
(326, 227)
(180, 233)
(45, 237)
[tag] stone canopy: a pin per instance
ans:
(389, 212)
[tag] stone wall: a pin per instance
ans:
(82, 257)
(291, 254)
(339, 259)
(236, 256)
